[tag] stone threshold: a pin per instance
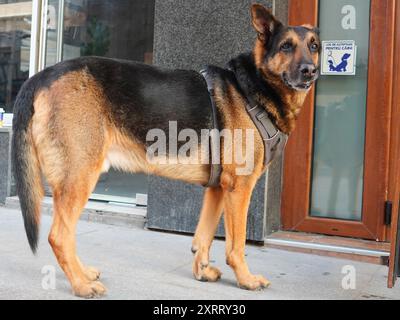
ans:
(98, 212)
(338, 247)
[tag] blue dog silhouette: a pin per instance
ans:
(331, 66)
(342, 67)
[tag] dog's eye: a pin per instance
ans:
(314, 47)
(287, 46)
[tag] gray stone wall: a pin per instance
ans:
(190, 34)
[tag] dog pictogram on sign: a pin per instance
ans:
(338, 57)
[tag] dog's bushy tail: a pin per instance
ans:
(25, 163)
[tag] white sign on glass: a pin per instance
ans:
(338, 57)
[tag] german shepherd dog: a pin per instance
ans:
(74, 120)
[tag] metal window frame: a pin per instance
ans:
(43, 35)
(39, 35)
(60, 30)
(35, 38)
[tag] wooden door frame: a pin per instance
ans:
(299, 151)
(394, 176)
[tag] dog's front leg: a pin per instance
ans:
(236, 204)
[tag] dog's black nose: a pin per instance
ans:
(308, 70)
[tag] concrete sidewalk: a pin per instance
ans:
(140, 264)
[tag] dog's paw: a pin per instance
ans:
(89, 290)
(253, 282)
(208, 273)
(205, 272)
(92, 274)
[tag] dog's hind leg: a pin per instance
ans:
(209, 218)
(69, 198)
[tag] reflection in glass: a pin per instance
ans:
(51, 43)
(117, 29)
(15, 37)
(339, 136)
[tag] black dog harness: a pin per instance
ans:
(215, 168)
(274, 139)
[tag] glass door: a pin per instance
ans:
(15, 41)
(120, 29)
(340, 114)
(336, 161)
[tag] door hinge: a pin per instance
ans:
(388, 212)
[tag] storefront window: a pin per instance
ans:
(340, 114)
(122, 29)
(15, 34)
(117, 29)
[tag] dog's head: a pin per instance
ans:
(289, 55)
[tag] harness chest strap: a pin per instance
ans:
(274, 139)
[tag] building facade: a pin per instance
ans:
(340, 172)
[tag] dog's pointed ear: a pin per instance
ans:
(264, 22)
(312, 28)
